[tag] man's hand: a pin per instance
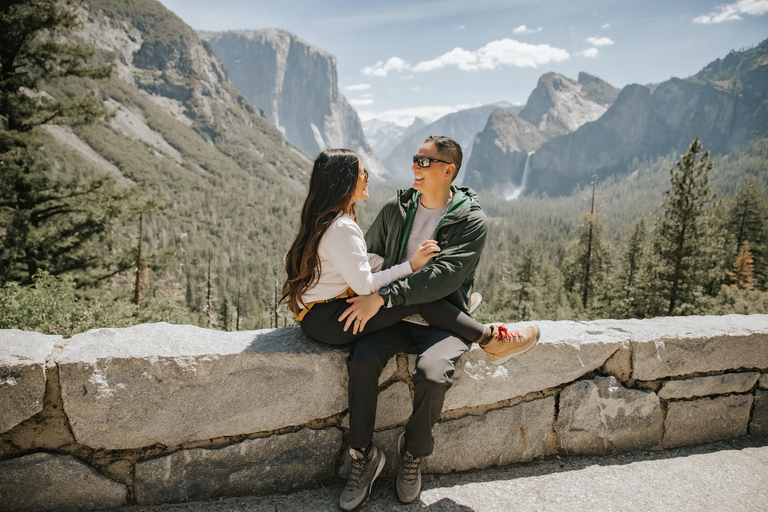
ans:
(362, 309)
(424, 252)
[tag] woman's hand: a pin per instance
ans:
(426, 250)
(362, 309)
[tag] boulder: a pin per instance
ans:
(22, 374)
(706, 419)
(711, 385)
(758, 426)
(497, 438)
(601, 416)
(680, 346)
(173, 384)
(43, 481)
(278, 463)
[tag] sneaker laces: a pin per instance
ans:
(410, 467)
(502, 333)
(356, 473)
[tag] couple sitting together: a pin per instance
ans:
(418, 257)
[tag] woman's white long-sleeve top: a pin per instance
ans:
(345, 263)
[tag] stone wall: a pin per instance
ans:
(160, 413)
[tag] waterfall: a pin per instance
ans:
(519, 190)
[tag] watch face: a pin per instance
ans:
(384, 290)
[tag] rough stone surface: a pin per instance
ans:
(499, 437)
(678, 346)
(706, 419)
(711, 385)
(620, 364)
(43, 481)
(171, 384)
(601, 416)
(22, 374)
(255, 466)
(758, 427)
(393, 408)
(566, 351)
(763, 382)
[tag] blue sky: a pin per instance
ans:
(398, 59)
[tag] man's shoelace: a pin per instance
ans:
(410, 467)
(358, 465)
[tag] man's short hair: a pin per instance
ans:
(448, 148)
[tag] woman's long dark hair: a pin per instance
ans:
(331, 187)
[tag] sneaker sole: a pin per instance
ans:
(382, 462)
(504, 359)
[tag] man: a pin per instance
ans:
(432, 209)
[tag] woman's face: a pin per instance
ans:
(361, 188)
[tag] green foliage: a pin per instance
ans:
(30, 56)
(679, 233)
(52, 305)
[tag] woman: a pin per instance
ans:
(329, 262)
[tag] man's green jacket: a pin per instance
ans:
(460, 234)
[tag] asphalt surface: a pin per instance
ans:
(724, 476)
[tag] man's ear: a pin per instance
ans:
(450, 169)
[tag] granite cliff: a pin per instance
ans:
(557, 106)
(295, 84)
(724, 105)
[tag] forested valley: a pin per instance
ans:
(192, 228)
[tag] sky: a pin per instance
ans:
(398, 59)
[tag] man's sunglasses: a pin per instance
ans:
(426, 161)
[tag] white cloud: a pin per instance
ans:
(607, 25)
(733, 12)
(505, 52)
(381, 68)
(461, 27)
(361, 102)
(600, 41)
(522, 29)
(358, 87)
(591, 53)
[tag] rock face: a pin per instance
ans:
(723, 106)
(500, 153)
(295, 84)
(461, 126)
(384, 136)
(557, 106)
(560, 105)
(43, 481)
(22, 375)
(191, 383)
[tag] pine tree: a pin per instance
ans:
(528, 270)
(747, 219)
(586, 270)
(682, 234)
(633, 257)
(742, 275)
(58, 226)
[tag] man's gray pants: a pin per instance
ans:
(436, 354)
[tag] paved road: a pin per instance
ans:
(728, 476)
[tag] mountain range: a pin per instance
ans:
(296, 85)
(234, 170)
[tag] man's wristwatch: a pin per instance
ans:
(384, 293)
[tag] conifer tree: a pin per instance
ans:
(528, 269)
(683, 233)
(742, 275)
(747, 219)
(633, 256)
(47, 224)
(586, 270)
